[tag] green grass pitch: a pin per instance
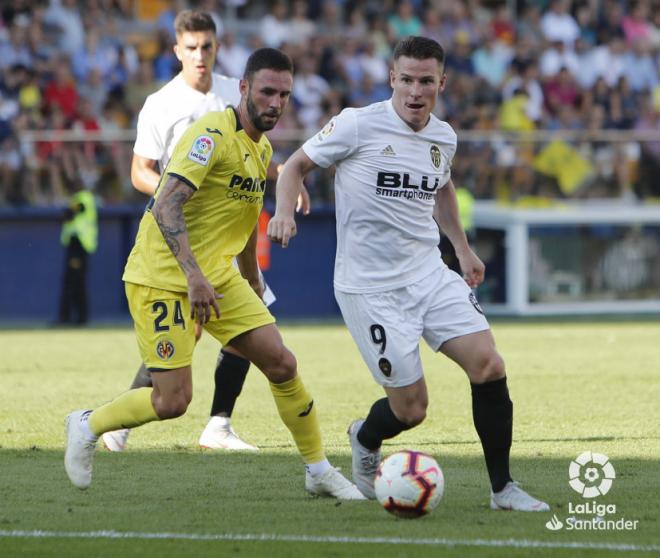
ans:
(576, 387)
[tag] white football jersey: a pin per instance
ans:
(169, 111)
(385, 188)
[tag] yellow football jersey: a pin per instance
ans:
(228, 171)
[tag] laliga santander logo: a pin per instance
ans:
(591, 474)
(203, 144)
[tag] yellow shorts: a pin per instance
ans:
(165, 332)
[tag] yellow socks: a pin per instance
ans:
(297, 411)
(131, 408)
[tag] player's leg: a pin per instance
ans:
(116, 440)
(166, 346)
(295, 405)
(492, 412)
(247, 325)
(169, 398)
(230, 373)
(387, 331)
(456, 325)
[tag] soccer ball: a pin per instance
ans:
(409, 484)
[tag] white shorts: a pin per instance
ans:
(388, 326)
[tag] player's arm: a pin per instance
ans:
(304, 204)
(168, 213)
(248, 265)
(289, 186)
(445, 212)
(143, 174)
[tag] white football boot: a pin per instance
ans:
(332, 483)
(219, 434)
(79, 452)
(512, 497)
(365, 462)
(116, 440)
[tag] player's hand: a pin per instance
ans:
(472, 267)
(304, 203)
(281, 229)
(202, 298)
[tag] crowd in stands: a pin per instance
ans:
(523, 66)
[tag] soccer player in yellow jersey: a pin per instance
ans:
(204, 214)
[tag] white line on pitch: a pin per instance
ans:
(504, 543)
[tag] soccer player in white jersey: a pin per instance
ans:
(393, 189)
(166, 114)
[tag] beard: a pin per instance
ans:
(257, 119)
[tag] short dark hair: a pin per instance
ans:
(419, 48)
(190, 20)
(267, 59)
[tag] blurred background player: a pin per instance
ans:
(203, 215)
(79, 236)
(164, 117)
(393, 187)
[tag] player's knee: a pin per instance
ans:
(282, 366)
(172, 406)
(413, 415)
(491, 368)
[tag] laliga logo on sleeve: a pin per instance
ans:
(591, 474)
(201, 150)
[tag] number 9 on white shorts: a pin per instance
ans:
(388, 326)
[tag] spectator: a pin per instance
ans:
(459, 58)
(94, 90)
(456, 20)
(607, 101)
(64, 16)
(374, 66)
(557, 56)
(61, 92)
(636, 25)
(41, 52)
(165, 62)
(404, 22)
(586, 20)
(491, 61)
(15, 51)
(349, 65)
(629, 101)
(29, 94)
(610, 22)
(274, 27)
(501, 27)
(527, 81)
(558, 24)
(561, 91)
(639, 68)
(309, 90)
(608, 60)
(528, 28)
(93, 55)
(330, 26)
(513, 113)
(300, 27)
(232, 56)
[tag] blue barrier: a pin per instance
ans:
(32, 264)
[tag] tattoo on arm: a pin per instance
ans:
(168, 213)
